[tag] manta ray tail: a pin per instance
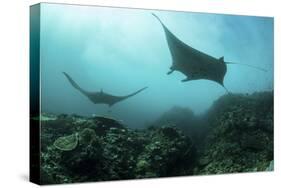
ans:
(74, 84)
(258, 68)
(226, 89)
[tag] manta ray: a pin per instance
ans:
(101, 97)
(193, 63)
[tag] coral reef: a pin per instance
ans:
(101, 148)
(241, 139)
(236, 136)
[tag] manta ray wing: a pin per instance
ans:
(115, 99)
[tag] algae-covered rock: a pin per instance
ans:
(204, 161)
(104, 123)
(87, 136)
(67, 143)
(142, 166)
(241, 139)
(169, 152)
(256, 141)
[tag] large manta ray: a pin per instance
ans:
(101, 97)
(193, 63)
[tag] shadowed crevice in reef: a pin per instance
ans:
(236, 135)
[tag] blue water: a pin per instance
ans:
(123, 50)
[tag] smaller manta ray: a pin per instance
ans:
(101, 97)
(193, 63)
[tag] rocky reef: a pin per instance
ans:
(241, 136)
(79, 149)
(235, 135)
